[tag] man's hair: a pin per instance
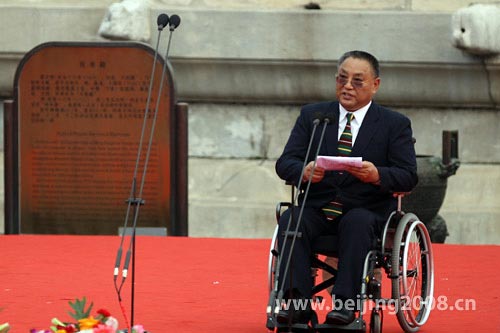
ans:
(363, 56)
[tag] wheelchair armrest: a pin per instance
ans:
(279, 207)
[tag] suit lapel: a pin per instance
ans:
(366, 131)
(332, 132)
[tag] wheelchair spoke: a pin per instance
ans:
(412, 273)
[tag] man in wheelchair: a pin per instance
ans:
(353, 203)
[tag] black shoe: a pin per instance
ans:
(294, 316)
(283, 316)
(340, 316)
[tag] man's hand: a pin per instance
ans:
(367, 173)
(318, 175)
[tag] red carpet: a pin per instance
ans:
(205, 285)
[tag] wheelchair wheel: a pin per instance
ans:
(271, 276)
(413, 265)
(273, 251)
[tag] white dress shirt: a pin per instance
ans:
(359, 115)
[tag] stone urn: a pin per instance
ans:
(427, 197)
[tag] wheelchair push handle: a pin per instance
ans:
(400, 196)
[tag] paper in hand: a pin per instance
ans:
(330, 163)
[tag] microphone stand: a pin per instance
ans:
(280, 295)
(134, 200)
(139, 201)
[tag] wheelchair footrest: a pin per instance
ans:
(358, 325)
(295, 328)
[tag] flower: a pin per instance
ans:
(101, 322)
(4, 328)
(111, 321)
(104, 313)
(104, 329)
(138, 329)
(87, 323)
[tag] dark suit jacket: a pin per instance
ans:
(384, 138)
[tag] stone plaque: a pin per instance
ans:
(80, 111)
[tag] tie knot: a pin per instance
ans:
(350, 117)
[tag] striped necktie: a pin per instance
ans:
(345, 141)
(334, 208)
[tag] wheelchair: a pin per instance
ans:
(403, 252)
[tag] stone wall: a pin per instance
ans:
(245, 67)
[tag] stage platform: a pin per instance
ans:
(207, 285)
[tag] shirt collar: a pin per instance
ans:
(359, 114)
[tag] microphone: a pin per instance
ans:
(175, 21)
(318, 117)
(134, 200)
(162, 21)
(329, 118)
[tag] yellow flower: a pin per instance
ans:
(88, 323)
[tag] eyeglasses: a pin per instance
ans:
(355, 82)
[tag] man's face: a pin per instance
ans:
(356, 84)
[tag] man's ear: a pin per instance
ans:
(376, 85)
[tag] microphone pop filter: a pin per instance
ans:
(175, 20)
(162, 21)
